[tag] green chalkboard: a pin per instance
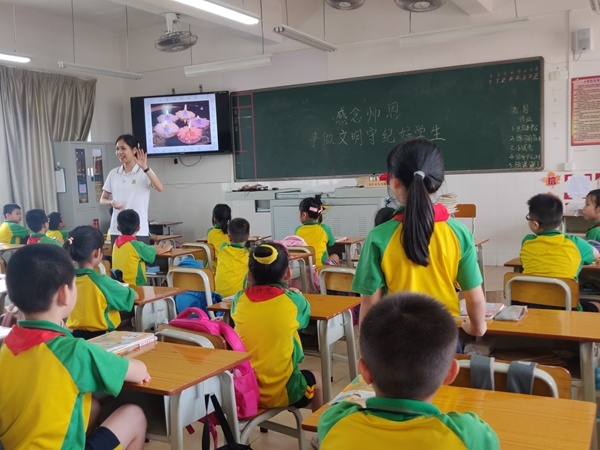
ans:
(485, 117)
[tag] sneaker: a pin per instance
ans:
(314, 441)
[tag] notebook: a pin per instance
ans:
(491, 309)
(120, 342)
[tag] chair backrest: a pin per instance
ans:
(537, 290)
(466, 211)
(103, 268)
(302, 249)
(334, 278)
(2, 266)
(194, 279)
(204, 252)
(170, 333)
(549, 381)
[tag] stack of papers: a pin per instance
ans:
(449, 201)
(491, 309)
(120, 342)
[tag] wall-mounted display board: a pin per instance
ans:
(485, 117)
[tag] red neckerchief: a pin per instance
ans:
(262, 293)
(440, 214)
(21, 339)
(124, 239)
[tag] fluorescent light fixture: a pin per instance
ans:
(453, 34)
(99, 70)
(227, 65)
(304, 38)
(14, 58)
(227, 11)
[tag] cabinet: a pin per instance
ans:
(85, 166)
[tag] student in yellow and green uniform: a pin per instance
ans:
(549, 252)
(56, 227)
(315, 233)
(101, 299)
(421, 249)
(267, 318)
(11, 230)
(233, 257)
(37, 221)
(407, 345)
(47, 376)
(217, 235)
(130, 255)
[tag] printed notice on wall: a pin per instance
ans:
(585, 111)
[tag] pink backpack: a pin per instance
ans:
(245, 383)
(311, 272)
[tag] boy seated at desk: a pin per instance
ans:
(548, 252)
(233, 259)
(407, 345)
(11, 230)
(47, 376)
(130, 255)
(37, 221)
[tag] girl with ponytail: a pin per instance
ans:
(422, 249)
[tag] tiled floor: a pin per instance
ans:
(276, 441)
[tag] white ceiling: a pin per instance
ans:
(110, 15)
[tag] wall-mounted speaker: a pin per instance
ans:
(582, 40)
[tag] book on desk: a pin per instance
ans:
(121, 342)
(491, 309)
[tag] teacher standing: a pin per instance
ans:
(129, 185)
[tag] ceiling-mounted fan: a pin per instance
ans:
(420, 5)
(174, 40)
(345, 4)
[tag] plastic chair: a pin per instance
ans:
(191, 399)
(548, 381)
(173, 334)
(302, 270)
(103, 268)
(467, 211)
(241, 429)
(202, 280)
(560, 293)
(205, 252)
(335, 278)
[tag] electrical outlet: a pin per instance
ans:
(558, 75)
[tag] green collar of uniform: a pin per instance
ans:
(595, 225)
(44, 325)
(83, 271)
(400, 409)
(37, 235)
(553, 232)
(218, 227)
(238, 245)
(310, 222)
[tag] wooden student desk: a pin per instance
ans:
(158, 227)
(334, 321)
(181, 375)
(152, 300)
(174, 252)
(522, 422)
(559, 326)
(9, 248)
(347, 243)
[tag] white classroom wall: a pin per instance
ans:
(371, 48)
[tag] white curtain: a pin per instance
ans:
(37, 109)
